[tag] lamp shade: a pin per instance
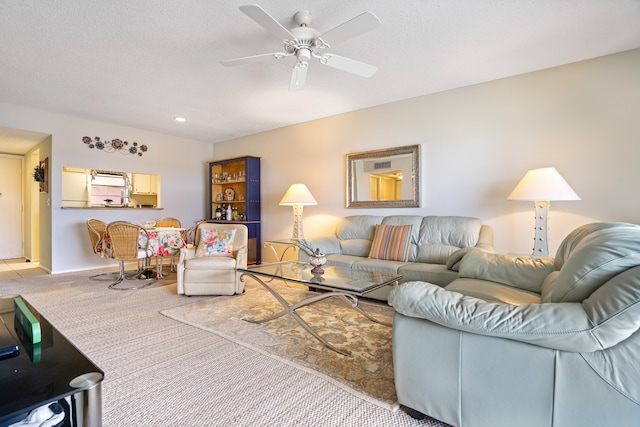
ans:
(298, 194)
(543, 184)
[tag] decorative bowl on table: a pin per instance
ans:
(317, 260)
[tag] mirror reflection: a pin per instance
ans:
(384, 178)
(83, 187)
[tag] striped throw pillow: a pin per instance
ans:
(391, 242)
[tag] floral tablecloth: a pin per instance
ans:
(164, 241)
(161, 242)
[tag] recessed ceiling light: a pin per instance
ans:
(180, 119)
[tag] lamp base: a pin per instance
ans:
(541, 239)
(298, 232)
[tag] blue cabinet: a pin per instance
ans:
(235, 189)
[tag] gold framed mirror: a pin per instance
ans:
(388, 178)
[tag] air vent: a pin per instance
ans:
(382, 165)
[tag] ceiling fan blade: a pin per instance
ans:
(348, 65)
(252, 59)
(362, 23)
(259, 15)
(298, 76)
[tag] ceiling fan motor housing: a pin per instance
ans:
(305, 37)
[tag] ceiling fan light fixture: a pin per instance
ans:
(304, 55)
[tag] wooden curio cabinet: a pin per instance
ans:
(235, 189)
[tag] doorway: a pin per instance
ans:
(11, 204)
(20, 152)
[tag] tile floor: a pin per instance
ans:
(19, 267)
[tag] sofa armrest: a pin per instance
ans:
(241, 257)
(522, 273)
(187, 253)
(560, 326)
(485, 238)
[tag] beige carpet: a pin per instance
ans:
(367, 373)
(161, 372)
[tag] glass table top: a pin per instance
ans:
(334, 278)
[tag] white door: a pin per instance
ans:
(10, 207)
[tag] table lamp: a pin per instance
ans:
(298, 195)
(541, 186)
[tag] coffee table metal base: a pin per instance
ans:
(291, 309)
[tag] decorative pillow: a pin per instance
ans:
(215, 243)
(391, 242)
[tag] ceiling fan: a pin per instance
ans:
(305, 43)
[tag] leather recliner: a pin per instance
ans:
(526, 341)
(213, 275)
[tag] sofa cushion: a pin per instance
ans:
(391, 242)
(493, 292)
(438, 274)
(590, 256)
(210, 263)
(345, 261)
(326, 244)
(355, 247)
(356, 233)
(357, 227)
(440, 236)
(377, 265)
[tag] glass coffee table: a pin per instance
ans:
(334, 281)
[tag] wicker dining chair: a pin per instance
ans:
(124, 240)
(96, 230)
(168, 222)
(173, 223)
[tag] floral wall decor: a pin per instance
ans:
(110, 146)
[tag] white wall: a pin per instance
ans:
(476, 143)
(180, 162)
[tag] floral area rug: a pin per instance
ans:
(367, 373)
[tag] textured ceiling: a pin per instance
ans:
(141, 63)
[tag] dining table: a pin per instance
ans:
(159, 242)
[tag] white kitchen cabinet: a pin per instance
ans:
(145, 184)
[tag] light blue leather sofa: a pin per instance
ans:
(434, 240)
(527, 342)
